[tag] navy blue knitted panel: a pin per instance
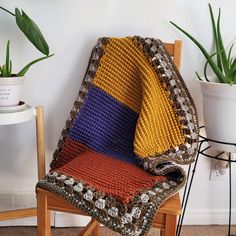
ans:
(105, 125)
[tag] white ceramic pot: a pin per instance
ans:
(219, 110)
(10, 90)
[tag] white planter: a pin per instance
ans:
(10, 90)
(219, 110)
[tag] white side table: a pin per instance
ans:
(17, 117)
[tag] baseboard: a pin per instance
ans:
(10, 201)
(32, 221)
(209, 217)
(70, 220)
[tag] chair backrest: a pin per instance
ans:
(88, 127)
(174, 49)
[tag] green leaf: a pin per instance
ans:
(4, 74)
(213, 65)
(229, 54)
(232, 70)
(31, 31)
(7, 63)
(10, 68)
(222, 48)
(198, 76)
(205, 68)
(234, 64)
(215, 37)
(231, 61)
(26, 68)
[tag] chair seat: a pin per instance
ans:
(56, 203)
(111, 190)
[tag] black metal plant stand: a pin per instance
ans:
(188, 185)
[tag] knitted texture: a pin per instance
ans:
(105, 125)
(126, 74)
(116, 178)
(133, 119)
(71, 149)
(118, 73)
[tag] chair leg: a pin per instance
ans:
(170, 225)
(162, 233)
(43, 215)
(96, 231)
(91, 228)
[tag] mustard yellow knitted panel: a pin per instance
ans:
(118, 74)
(127, 75)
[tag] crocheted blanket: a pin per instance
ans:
(132, 121)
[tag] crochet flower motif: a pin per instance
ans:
(135, 213)
(88, 195)
(69, 181)
(100, 203)
(113, 211)
(144, 198)
(165, 185)
(127, 218)
(79, 187)
(159, 190)
(53, 174)
(61, 177)
(173, 183)
(152, 193)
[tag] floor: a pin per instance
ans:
(213, 230)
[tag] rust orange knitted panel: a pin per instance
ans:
(70, 150)
(111, 176)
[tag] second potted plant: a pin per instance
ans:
(219, 90)
(11, 83)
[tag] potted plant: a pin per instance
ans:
(11, 83)
(219, 90)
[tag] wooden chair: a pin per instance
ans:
(166, 217)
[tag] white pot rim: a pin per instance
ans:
(218, 90)
(216, 83)
(11, 80)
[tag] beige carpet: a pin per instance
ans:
(213, 230)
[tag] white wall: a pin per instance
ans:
(71, 29)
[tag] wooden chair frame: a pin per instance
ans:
(166, 217)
